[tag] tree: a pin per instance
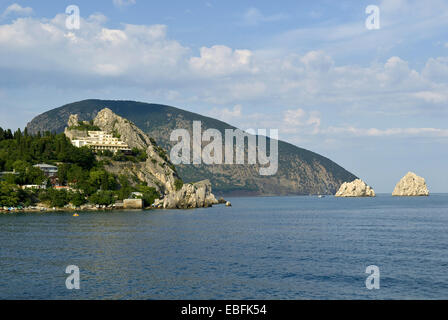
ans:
(102, 197)
(77, 199)
(56, 198)
(178, 184)
(125, 187)
(9, 194)
(150, 194)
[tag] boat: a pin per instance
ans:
(76, 215)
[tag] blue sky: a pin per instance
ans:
(374, 101)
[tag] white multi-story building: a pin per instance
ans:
(100, 140)
(48, 169)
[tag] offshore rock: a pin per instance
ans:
(411, 185)
(192, 195)
(356, 188)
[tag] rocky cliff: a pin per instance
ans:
(411, 185)
(157, 171)
(356, 188)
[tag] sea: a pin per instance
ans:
(298, 247)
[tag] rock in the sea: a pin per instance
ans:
(192, 195)
(228, 204)
(356, 188)
(411, 185)
(221, 200)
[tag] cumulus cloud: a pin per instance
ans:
(131, 51)
(222, 60)
(18, 10)
(284, 89)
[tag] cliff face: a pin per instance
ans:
(157, 171)
(299, 171)
(411, 185)
(356, 188)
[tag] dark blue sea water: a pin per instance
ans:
(261, 248)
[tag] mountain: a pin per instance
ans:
(300, 171)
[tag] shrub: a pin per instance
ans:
(77, 199)
(103, 198)
(178, 184)
(56, 198)
(149, 194)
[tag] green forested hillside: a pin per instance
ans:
(300, 171)
(77, 168)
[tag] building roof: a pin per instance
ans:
(44, 165)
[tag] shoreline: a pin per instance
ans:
(68, 209)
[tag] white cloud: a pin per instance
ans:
(436, 69)
(299, 120)
(317, 61)
(431, 97)
(400, 132)
(16, 9)
(134, 51)
(253, 17)
(278, 90)
(222, 60)
(226, 114)
(123, 3)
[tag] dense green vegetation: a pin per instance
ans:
(178, 183)
(78, 169)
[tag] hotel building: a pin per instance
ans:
(100, 140)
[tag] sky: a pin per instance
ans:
(372, 100)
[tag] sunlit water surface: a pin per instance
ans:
(261, 248)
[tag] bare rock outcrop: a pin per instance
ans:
(157, 165)
(356, 188)
(73, 120)
(192, 195)
(411, 185)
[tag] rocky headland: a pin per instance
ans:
(157, 171)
